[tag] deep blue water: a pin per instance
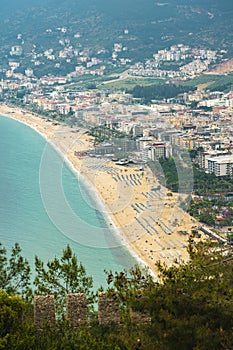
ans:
(44, 206)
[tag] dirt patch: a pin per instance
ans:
(223, 68)
(205, 85)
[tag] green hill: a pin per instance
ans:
(141, 27)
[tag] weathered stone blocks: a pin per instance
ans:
(44, 312)
(108, 309)
(76, 309)
(137, 317)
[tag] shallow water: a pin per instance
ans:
(44, 206)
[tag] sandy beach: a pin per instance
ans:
(151, 223)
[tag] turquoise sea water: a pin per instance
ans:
(44, 207)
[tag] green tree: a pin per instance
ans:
(62, 276)
(14, 272)
(192, 306)
(207, 218)
(16, 323)
(128, 283)
(128, 286)
(159, 91)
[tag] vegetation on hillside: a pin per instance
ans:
(213, 82)
(159, 91)
(103, 23)
(212, 199)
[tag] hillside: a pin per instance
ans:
(95, 25)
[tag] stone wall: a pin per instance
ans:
(137, 317)
(44, 312)
(76, 309)
(108, 309)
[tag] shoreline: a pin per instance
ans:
(6, 111)
(150, 225)
(101, 205)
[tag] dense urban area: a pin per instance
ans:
(181, 98)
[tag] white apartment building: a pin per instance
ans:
(156, 151)
(205, 156)
(221, 165)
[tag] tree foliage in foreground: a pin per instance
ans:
(14, 272)
(62, 276)
(16, 322)
(191, 306)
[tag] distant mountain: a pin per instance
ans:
(141, 26)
